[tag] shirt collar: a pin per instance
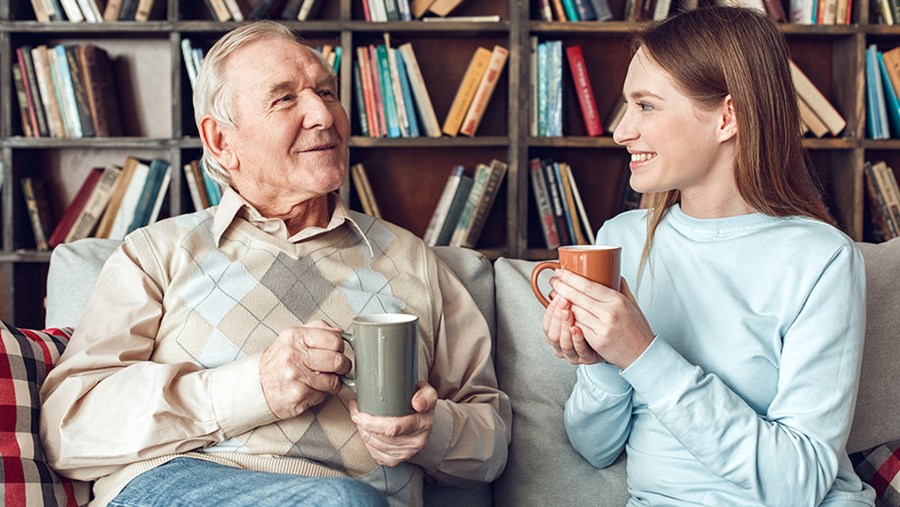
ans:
(233, 207)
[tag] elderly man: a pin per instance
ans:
(206, 368)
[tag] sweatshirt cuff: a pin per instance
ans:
(237, 396)
(438, 440)
(605, 377)
(658, 360)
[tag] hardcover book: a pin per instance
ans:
(583, 90)
(74, 209)
(36, 202)
(466, 91)
(485, 90)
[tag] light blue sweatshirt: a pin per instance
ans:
(746, 395)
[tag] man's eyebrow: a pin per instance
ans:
(278, 89)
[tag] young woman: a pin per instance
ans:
(728, 365)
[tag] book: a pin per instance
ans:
(26, 115)
(479, 182)
(554, 98)
(816, 101)
(615, 116)
(486, 201)
(101, 90)
(36, 202)
(406, 90)
(128, 10)
(36, 104)
(291, 10)
(439, 215)
(399, 101)
(72, 10)
(881, 214)
(195, 185)
(585, 10)
(130, 199)
(418, 8)
(360, 100)
(420, 94)
(545, 10)
(810, 120)
(892, 104)
(73, 210)
(571, 11)
(59, 70)
(111, 11)
(583, 90)
(308, 10)
(48, 91)
(233, 9)
(386, 89)
(563, 173)
(602, 10)
(542, 201)
(485, 90)
(149, 194)
(213, 189)
(454, 211)
(444, 7)
(888, 183)
(362, 63)
(82, 104)
(876, 114)
(466, 91)
(90, 10)
(115, 198)
(40, 13)
(582, 212)
(364, 190)
(218, 10)
(93, 210)
(556, 202)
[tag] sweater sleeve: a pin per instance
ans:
(107, 404)
(789, 455)
(473, 418)
(598, 413)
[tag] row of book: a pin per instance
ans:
(464, 205)
(563, 218)
(575, 10)
(884, 200)
(406, 10)
(882, 92)
(475, 91)
(115, 200)
(245, 10)
(547, 88)
(65, 91)
(193, 58)
(817, 115)
(96, 11)
(887, 12)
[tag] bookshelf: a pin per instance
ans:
(407, 174)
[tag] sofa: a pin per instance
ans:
(543, 469)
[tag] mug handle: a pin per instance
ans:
(347, 379)
(534, 279)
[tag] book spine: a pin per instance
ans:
(81, 98)
(443, 205)
(584, 91)
(491, 189)
(359, 96)
(399, 102)
(891, 183)
(575, 231)
(817, 101)
(366, 76)
(47, 92)
(554, 88)
(466, 91)
(403, 74)
(377, 91)
(602, 10)
(387, 92)
(878, 206)
(193, 187)
(291, 10)
(556, 201)
(485, 89)
(542, 89)
(26, 113)
(542, 200)
(63, 81)
(36, 202)
(482, 173)
(571, 11)
(420, 91)
(74, 209)
(585, 10)
(582, 212)
(111, 12)
(26, 64)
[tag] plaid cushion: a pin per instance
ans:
(880, 467)
(25, 358)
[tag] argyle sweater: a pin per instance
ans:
(225, 299)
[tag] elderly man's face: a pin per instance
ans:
(290, 142)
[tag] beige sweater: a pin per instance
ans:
(166, 360)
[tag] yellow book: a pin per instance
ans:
(484, 91)
(115, 198)
(466, 91)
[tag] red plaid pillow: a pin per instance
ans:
(25, 358)
(880, 467)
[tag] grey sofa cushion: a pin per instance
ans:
(877, 419)
(543, 468)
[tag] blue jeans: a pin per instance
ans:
(185, 482)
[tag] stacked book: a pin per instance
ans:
(390, 93)
(464, 205)
(817, 115)
(563, 218)
(884, 200)
(247, 10)
(97, 11)
(66, 91)
(547, 88)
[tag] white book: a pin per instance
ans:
(305, 9)
(188, 57)
(161, 195)
(402, 118)
(419, 91)
(91, 11)
(235, 10)
(443, 206)
(580, 205)
(73, 12)
(814, 98)
(129, 201)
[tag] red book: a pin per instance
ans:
(74, 209)
(584, 91)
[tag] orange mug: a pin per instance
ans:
(600, 264)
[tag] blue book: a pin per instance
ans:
(387, 91)
(890, 93)
(66, 91)
(212, 188)
(871, 100)
(407, 97)
(873, 80)
(152, 185)
(360, 100)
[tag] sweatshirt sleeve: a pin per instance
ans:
(789, 455)
(473, 418)
(598, 413)
(101, 405)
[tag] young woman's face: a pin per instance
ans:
(672, 143)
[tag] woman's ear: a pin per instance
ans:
(728, 121)
(215, 140)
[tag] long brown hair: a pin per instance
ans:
(719, 51)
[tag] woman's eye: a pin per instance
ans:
(644, 106)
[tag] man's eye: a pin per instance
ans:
(326, 93)
(286, 98)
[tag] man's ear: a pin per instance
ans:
(728, 127)
(215, 139)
